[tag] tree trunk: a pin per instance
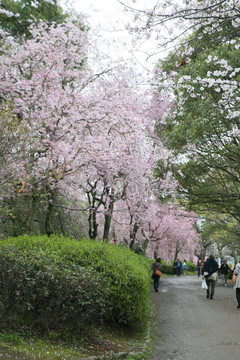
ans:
(49, 212)
(177, 250)
(145, 245)
(29, 205)
(133, 234)
(108, 216)
(93, 225)
(61, 223)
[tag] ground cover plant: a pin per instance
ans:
(100, 342)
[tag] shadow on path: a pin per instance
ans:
(191, 327)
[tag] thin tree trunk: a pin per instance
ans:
(108, 217)
(49, 212)
(176, 252)
(133, 234)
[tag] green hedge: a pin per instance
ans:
(168, 268)
(57, 282)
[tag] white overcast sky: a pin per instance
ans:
(110, 17)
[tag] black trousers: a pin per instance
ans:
(238, 295)
(211, 286)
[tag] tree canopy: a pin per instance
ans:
(200, 74)
(16, 16)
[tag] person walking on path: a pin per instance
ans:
(224, 269)
(156, 277)
(179, 267)
(237, 285)
(210, 273)
(184, 267)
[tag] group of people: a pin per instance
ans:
(222, 271)
(209, 270)
(178, 266)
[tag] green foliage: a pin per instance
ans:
(48, 295)
(191, 267)
(64, 283)
(201, 119)
(222, 230)
(209, 179)
(24, 11)
(168, 268)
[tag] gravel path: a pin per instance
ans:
(193, 327)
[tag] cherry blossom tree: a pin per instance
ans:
(85, 135)
(157, 230)
(39, 78)
(171, 22)
(123, 159)
(202, 69)
(77, 121)
(172, 233)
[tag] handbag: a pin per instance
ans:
(158, 272)
(234, 278)
(214, 276)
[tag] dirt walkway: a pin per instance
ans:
(193, 327)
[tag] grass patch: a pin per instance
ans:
(111, 341)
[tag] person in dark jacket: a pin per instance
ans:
(156, 266)
(224, 269)
(179, 267)
(210, 273)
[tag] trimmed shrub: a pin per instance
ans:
(58, 282)
(168, 268)
(191, 267)
(48, 295)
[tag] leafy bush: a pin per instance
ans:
(58, 282)
(191, 266)
(168, 268)
(50, 295)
